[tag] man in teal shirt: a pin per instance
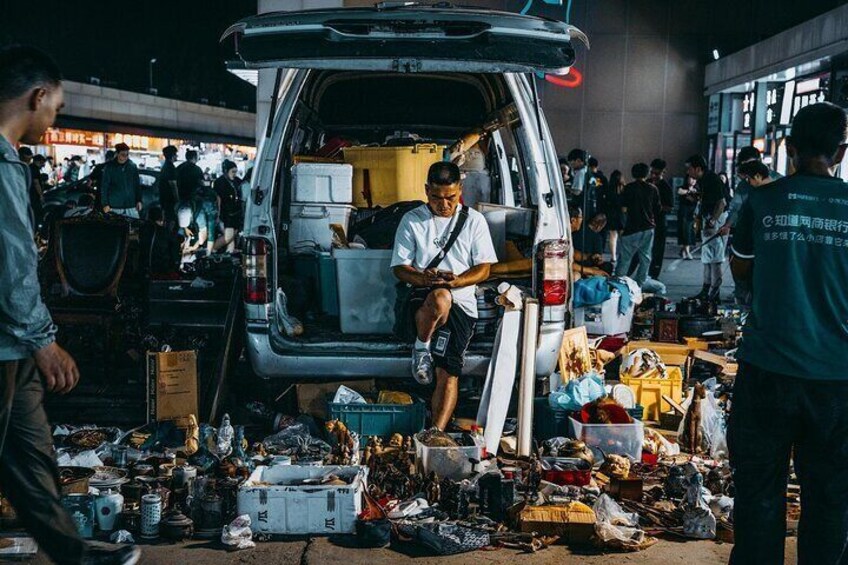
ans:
(791, 394)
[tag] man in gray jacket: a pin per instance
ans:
(120, 189)
(30, 97)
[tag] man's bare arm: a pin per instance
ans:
(472, 276)
(410, 275)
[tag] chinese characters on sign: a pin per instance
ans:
(56, 136)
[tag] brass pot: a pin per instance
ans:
(177, 526)
(577, 450)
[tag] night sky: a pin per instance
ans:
(115, 41)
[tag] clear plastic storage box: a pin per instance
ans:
(612, 439)
(452, 463)
(366, 290)
(309, 230)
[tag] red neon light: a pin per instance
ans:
(572, 80)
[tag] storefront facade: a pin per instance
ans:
(145, 150)
(754, 94)
(96, 119)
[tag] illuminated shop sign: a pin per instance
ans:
(810, 91)
(774, 102)
(748, 110)
(56, 136)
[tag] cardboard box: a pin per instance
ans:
(573, 522)
(278, 504)
(626, 489)
(312, 397)
(171, 385)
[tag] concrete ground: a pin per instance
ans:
(685, 278)
(320, 551)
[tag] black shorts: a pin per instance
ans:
(450, 341)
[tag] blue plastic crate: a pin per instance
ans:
(547, 421)
(380, 419)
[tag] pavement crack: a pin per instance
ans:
(303, 559)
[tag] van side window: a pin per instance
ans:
(515, 168)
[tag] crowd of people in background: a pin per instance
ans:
(190, 214)
(626, 218)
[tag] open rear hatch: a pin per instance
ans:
(401, 38)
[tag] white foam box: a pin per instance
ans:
(278, 504)
(322, 183)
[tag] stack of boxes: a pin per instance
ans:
(321, 196)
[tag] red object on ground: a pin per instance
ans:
(615, 414)
(650, 458)
(612, 344)
(576, 478)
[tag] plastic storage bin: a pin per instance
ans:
(581, 476)
(366, 290)
(604, 319)
(448, 462)
(318, 270)
(278, 502)
(395, 174)
(650, 390)
(309, 229)
(617, 439)
(322, 183)
(547, 421)
(379, 419)
(670, 353)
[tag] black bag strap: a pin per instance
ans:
(460, 222)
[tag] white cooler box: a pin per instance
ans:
(604, 319)
(309, 229)
(322, 182)
(278, 504)
(366, 290)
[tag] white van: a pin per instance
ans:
(362, 74)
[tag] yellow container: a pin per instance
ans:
(670, 353)
(395, 174)
(649, 391)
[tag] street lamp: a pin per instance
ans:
(152, 62)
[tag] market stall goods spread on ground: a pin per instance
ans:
(621, 455)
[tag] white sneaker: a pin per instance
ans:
(422, 366)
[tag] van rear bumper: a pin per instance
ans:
(268, 363)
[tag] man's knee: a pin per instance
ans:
(443, 376)
(440, 301)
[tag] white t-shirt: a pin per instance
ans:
(421, 236)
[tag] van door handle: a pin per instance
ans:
(314, 213)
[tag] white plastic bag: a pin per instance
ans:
(713, 425)
(345, 395)
(237, 534)
(616, 527)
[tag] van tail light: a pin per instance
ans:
(256, 272)
(552, 273)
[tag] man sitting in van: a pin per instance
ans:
(442, 250)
